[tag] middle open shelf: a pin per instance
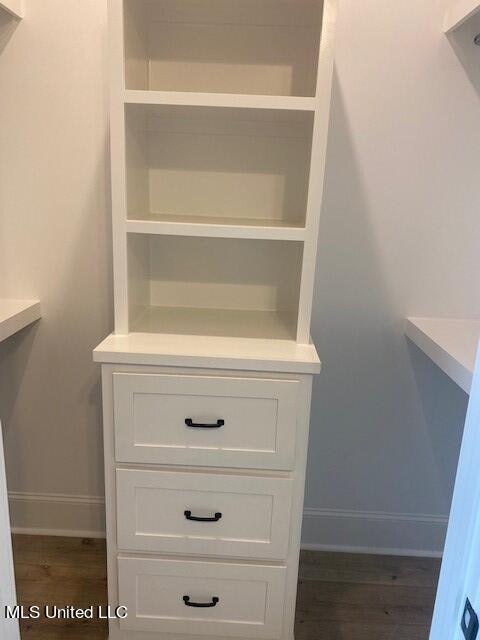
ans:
(217, 167)
(214, 286)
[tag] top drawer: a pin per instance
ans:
(205, 421)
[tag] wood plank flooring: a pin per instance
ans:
(340, 596)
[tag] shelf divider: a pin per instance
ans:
(223, 229)
(234, 100)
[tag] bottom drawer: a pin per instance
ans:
(237, 599)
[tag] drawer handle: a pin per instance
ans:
(188, 516)
(200, 605)
(198, 425)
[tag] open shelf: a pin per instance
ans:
(16, 315)
(450, 342)
(248, 168)
(460, 12)
(214, 287)
(266, 47)
(13, 7)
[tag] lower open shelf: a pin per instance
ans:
(240, 323)
(214, 286)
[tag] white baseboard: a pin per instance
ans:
(54, 514)
(323, 529)
(402, 534)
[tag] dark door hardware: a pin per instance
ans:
(188, 516)
(469, 622)
(201, 605)
(199, 425)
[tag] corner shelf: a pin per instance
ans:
(451, 344)
(460, 13)
(13, 7)
(17, 314)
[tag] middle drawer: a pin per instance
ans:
(208, 514)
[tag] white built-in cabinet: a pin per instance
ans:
(219, 122)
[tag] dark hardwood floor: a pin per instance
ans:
(340, 596)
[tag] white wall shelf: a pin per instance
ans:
(13, 7)
(17, 314)
(451, 343)
(233, 100)
(459, 13)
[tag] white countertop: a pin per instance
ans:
(206, 351)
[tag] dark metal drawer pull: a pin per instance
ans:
(216, 517)
(198, 425)
(200, 605)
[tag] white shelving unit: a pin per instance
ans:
(460, 13)
(231, 99)
(13, 7)
(451, 343)
(219, 123)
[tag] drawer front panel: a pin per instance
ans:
(253, 421)
(246, 516)
(250, 597)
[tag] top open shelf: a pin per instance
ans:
(250, 47)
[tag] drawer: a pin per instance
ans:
(245, 516)
(252, 421)
(248, 599)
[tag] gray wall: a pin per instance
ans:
(399, 236)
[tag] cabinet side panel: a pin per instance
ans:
(302, 433)
(117, 152)
(317, 170)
